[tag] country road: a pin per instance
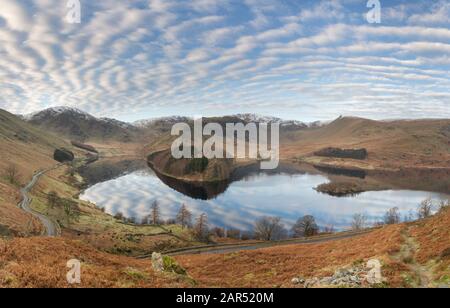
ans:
(52, 228)
(229, 248)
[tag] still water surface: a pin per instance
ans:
(244, 201)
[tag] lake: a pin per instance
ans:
(239, 204)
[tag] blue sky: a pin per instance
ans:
(305, 60)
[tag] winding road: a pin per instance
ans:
(51, 227)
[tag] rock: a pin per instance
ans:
(157, 262)
(62, 155)
(351, 277)
(297, 280)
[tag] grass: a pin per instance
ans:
(102, 230)
(403, 265)
(41, 263)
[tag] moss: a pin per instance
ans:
(170, 265)
(444, 280)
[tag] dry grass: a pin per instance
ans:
(41, 263)
(275, 267)
(419, 143)
(433, 238)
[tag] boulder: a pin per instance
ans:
(63, 155)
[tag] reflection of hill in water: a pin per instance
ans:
(195, 190)
(210, 190)
(105, 170)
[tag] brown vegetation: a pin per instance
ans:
(41, 263)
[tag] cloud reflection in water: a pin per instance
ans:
(286, 196)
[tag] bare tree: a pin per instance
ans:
(184, 217)
(53, 199)
(359, 222)
(444, 205)
(155, 214)
(329, 229)
(425, 209)
(11, 174)
(305, 226)
(71, 210)
(119, 216)
(392, 216)
(218, 232)
(269, 229)
(201, 229)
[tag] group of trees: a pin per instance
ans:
(68, 206)
(393, 216)
(272, 228)
(200, 229)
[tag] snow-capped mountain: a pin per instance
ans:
(163, 120)
(80, 125)
(56, 111)
(291, 124)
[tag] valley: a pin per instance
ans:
(403, 158)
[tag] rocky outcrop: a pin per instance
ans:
(360, 154)
(356, 276)
(63, 155)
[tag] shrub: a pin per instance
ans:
(170, 265)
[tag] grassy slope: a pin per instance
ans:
(277, 266)
(419, 143)
(30, 150)
(39, 262)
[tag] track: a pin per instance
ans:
(229, 248)
(52, 228)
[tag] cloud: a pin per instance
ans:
(134, 59)
(439, 14)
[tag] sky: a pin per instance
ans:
(295, 59)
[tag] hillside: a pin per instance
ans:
(78, 125)
(413, 255)
(28, 149)
(41, 263)
(391, 144)
(409, 148)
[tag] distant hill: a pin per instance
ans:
(15, 129)
(391, 144)
(78, 125)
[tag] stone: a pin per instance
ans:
(298, 280)
(157, 262)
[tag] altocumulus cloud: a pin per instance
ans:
(305, 59)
